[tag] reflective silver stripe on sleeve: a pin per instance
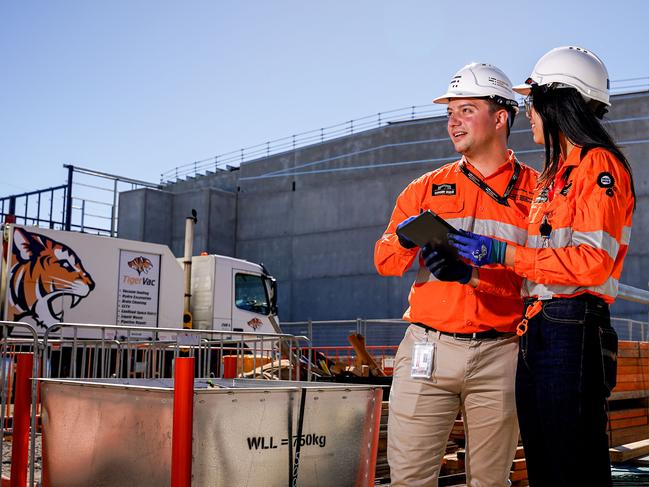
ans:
(626, 235)
(559, 238)
(566, 237)
(598, 239)
(609, 288)
(492, 228)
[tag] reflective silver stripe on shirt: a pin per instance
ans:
(491, 228)
(609, 288)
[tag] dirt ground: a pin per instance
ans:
(6, 460)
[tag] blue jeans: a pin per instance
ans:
(561, 390)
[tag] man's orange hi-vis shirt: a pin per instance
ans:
(587, 229)
(449, 192)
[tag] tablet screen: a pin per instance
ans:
(429, 228)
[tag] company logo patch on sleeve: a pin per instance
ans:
(607, 181)
(447, 189)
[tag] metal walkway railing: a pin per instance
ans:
(231, 160)
(87, 203)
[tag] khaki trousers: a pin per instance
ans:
(473, 376)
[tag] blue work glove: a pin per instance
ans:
(445, 267)
(403, 241)
(480, 250)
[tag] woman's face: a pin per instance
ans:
(535, 121)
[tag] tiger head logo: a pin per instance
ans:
(45, 271)
(140, 264)
(255, 323)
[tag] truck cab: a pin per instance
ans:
(231, 294)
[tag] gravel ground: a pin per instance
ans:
(6, 460)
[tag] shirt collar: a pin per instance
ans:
(508, 165)
(574, 157)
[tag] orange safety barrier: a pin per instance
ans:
(229, 366)
(183, 418)
(22, 416)
(375, 442)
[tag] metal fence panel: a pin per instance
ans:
(10, 350)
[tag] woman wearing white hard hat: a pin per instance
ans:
(578, 237)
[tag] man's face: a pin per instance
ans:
(471, 124)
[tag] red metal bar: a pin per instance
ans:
(229, 366)
(378, 395)
(22, 416)
(183, 419)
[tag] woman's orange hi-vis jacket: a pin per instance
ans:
(588, 226)
(450, 306)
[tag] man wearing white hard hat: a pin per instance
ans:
(459, 354)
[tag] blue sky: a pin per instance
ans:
(137, 87)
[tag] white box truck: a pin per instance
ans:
(53, 276)
(232, 294)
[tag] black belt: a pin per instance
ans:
(478, 335)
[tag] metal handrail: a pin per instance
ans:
(230, 160)
(634, 294)
(303, 139)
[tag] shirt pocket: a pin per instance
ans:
(450, 208)
(561, 211)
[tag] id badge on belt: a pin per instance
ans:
(423, 359)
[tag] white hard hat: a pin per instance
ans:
(479, 80)
(571, 67)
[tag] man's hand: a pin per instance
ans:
(480, 250)
(403, 241)
(444, 267)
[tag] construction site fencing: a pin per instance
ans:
(631, 330)
(81, 351)
(19, 362)
(389, 332)
(93, 351)
(382, 337)
(334, 333)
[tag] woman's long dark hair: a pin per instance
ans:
(565, 111)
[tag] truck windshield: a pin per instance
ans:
(250, 294)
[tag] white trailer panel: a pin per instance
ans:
(54, 276)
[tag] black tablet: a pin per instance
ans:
(429, 228)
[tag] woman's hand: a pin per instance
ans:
(480, 250)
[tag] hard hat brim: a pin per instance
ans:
(445, 98)
(522, 89)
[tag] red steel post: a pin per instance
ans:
(22, 416)
(229, 366)
(378, 395)
(181, 439)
